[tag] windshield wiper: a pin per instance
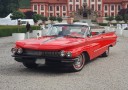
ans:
(72, 36)
(52, 35)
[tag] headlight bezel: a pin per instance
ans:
(14, 50)
(19, 51)
(68, 54)
(62, 53)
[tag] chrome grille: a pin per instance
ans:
(42, 53)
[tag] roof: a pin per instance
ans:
(50, 1)
(25, 10)
(114, 1)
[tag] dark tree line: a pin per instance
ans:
(8, 6)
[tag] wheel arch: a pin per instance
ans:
(86, 55)
(110, 46)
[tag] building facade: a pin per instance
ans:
(65, 7)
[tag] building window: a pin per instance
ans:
(106, 8)
(51, 9)
(92, 6)
(99, 7)
(42, 13)
(112, 14)
(51, 14)
(64, 8)
(92, 0)
(77, 0)
(64, 14)
(42, 7)
(70, 7)
(119, 7)
(99, 0)
(84, 0)
(70, 0)
(77, 7)
(112, 7)
(58, 14)
(57, 8)
(106, 14)
(35, 7)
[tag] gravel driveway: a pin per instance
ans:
(109, 73)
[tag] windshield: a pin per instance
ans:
(68, 30)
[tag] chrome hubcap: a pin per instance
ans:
(79, 63)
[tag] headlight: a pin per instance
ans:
(19, 50)
(62, 53)
(14, 50)
(69, 54)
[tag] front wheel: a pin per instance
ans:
(79, 63)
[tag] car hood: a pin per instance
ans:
(50, 43)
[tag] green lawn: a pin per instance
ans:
(24, 3)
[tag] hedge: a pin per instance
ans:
(103, 24)
(76, 20)
(8, 30)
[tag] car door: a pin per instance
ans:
(94, 45)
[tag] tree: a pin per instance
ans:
(125, 18)
(110, 18)
(29, 14)
(52, 18)
(17, 15)
(36, 17)
(59, 19)
(43, 18)
(8, 6)
(118, 18)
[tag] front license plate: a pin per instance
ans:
(40, 61)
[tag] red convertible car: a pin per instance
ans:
(71, 44)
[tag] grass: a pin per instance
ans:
(8, 30)
(24, 3)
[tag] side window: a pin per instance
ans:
(88, 33)
(54, 31)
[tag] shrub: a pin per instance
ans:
(8, 30)
(110, 18)
(36, 17)
(59, 19)
(93, 20)
(118, 18)
(43, 18)
(103, 24)
(75, 20)
(52, 18)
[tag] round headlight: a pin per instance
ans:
(20, 51)
(69, 54)
(14, 50)
(62, 53)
